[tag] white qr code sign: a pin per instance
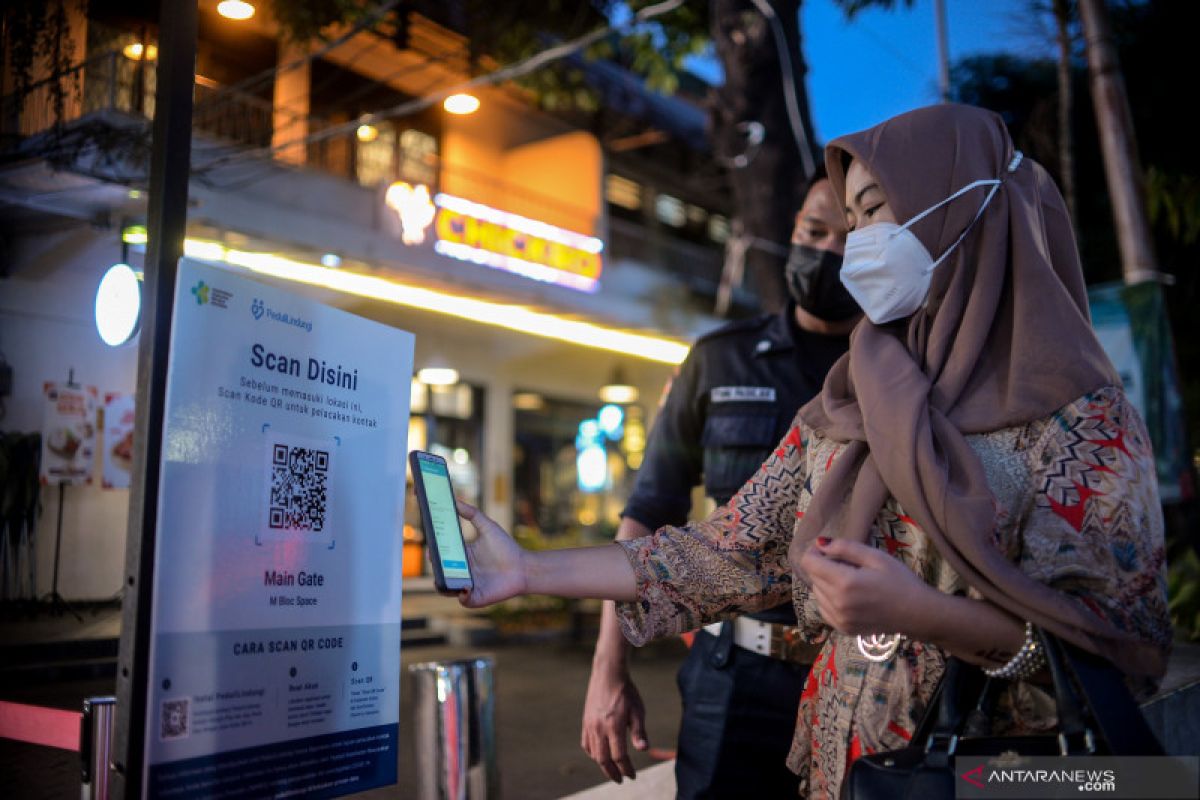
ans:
(297, 487)
(273, 654)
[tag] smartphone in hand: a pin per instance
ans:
(439, 518)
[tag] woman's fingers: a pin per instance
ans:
(855, 554)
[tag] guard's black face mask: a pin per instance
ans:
(812, 279)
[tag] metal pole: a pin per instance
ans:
(943, 44)
(166, 225)
(1117, 142)
(454, 729)
(95, 747)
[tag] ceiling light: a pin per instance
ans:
(438, 376)
(134, 234)
(461, 104)
(331, 260)
(235, 9)
(618, 390)
(619, 393)
(367, 133)
(517, 318)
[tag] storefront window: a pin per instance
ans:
(572, 469)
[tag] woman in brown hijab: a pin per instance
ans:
(970, 469)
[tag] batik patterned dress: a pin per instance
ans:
(1076, 507)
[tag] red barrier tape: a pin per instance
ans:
(50, 727)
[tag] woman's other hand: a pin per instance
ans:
(859, 589)
(497, 561)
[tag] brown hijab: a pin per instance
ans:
(1004, 339)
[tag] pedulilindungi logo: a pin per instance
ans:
(210, 295)
(200, 292)
(258, 309)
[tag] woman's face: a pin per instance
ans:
(866, 203)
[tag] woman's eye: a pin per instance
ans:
(870, 212)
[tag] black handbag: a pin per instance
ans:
(1096, 716)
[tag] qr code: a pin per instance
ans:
(175, 718)
(299, 488)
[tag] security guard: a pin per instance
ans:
(731, 403)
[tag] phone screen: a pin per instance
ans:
(443, 517)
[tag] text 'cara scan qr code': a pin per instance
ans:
(299, 488)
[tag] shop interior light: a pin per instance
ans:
(618, 390)
(134, 234)
(438, 376)
(235, 9)
(118, 304)
(486, 312)
(138, 51)
(591, 468)
(611, 418)
(367, 133)
(619, 393)
(528, 401)
(461, 103)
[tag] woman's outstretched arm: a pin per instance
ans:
(501, 568)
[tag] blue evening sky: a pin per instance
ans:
(885, 62)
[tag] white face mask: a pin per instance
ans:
(887, 270)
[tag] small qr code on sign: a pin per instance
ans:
(175, 718)
(299, 488)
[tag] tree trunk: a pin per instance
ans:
(754, 137)
(1121, 166)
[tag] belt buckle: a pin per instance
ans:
(786, 643)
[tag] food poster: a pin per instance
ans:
(118, 441)
(68, 434)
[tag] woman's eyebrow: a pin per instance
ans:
(858, 197)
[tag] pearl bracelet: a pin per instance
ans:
(1026, 663)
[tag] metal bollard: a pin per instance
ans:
(95, 746)
(455, 734)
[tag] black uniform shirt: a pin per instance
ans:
(731, 403)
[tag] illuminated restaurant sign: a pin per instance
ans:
(470, 231)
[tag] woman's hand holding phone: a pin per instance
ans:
(497, 562)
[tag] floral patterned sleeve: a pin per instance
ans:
(735, 561)
(1095, 528)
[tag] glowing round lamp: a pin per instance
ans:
(438, 376)
(367, 133)
(461, 104)
(235, 9)
(118, 305)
